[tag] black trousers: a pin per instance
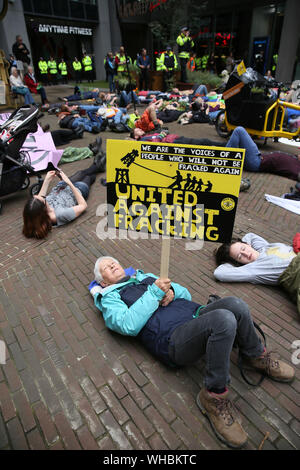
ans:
(183, 63)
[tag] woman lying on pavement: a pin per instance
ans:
(178, 331)
(253, 259)
(65, 202)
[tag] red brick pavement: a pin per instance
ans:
(68, 383)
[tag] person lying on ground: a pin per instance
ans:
(65, 202)
(70, 117)
(85, 95)
(253, 259)
(178, 331)
(149, 121)
(279, 163)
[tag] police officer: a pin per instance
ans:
(185, 45)
(77, 67)
(43, 69)
(63, 71)
(168, 66)
(52, 66)
(88, 67)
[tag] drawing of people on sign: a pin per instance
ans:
(178, 179)
(208, 187)
(199, 185)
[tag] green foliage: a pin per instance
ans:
(123, 80)
(204, 78)
(257, 90)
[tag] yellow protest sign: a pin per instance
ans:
(241, 68)
(176, 190)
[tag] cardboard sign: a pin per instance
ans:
(175, 190)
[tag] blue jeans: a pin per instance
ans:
(201, 90)
(91, 112)
(241, 139)
(110, 77)
(83, 188)
(212, 334)
(126, 98)
(121, 116)
(25, 92)
(86, 123)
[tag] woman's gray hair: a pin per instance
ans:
(97, 274)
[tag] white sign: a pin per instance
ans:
(60, 29)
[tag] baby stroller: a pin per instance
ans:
(15, 166)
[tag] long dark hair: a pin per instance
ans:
(36, 220)
(222, 253)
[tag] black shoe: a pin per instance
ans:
(100, 162)
(79, 130)
(95, 147)
(46, 127)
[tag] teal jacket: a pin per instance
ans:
(130, 320)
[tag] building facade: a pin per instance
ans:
(248, 28)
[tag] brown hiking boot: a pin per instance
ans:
(272, 368)
(223, 418)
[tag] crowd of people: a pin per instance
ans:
(158, 311)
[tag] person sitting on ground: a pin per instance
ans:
(18, 87)
(253, 259)
(34, 86)
(178, 331)
(65, 202)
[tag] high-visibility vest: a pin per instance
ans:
(52, 66)
(87, 63)
(122, 62)
(204, 61)
(185, 45)
(43, 66)
(168, 61)
(77, 65)
(159, 65)
(275, 59)
(198, 63)
(63, 68)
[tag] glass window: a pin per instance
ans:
(42, 6)
(27, 7)
(60, 8)
(76, 10)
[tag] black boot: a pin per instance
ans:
(95, 146)
(100, 162)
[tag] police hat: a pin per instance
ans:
(185, 28)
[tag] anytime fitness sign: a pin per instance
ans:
(60, 29)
